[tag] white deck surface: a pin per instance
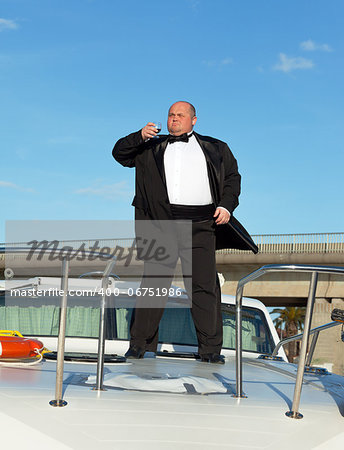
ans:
(133, 420)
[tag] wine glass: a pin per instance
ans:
(158, 127)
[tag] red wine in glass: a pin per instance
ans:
(158, 126)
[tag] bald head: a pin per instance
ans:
(191, 107)
(181, 118)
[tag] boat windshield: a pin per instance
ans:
(176, 326)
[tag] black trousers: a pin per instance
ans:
(204, 287)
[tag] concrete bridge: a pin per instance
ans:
(287, 289)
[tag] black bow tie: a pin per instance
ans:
(182, 138)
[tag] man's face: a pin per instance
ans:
(180, 119)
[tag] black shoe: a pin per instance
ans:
(213, 358)
(135, 352)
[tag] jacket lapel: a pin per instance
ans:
(158, 152)
(210, 152)
(213, 158)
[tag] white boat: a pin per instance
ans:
(167, 401)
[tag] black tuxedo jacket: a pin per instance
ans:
(151, 199)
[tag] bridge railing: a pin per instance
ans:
(88, 244)
(267, 243)
(296, 243)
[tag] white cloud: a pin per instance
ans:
(311, 46)
(23, 153)
(194, 4)
(8, 184)
(108, 191)
(287, 64)
(217, 63)
(226, 61)
(209, 63)
(6, 24)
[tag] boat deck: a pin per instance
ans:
(164, 403)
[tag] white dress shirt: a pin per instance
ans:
(186, 174)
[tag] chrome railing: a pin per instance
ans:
(101, 341)
(58, 401)
(314, 271)
(298, 337)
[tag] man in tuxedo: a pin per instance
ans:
(186, 176)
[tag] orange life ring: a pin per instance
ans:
(19, 347)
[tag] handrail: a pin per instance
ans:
(97, 272)
(58, 401)
(314, 270)
(101, 341)
(297, 337)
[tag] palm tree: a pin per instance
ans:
(291, 318)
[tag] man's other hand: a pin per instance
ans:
(222, 216)
(149, 131)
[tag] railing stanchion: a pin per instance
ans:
(59, 402)
(238, 342)
(312, 348)
(294, 413)
(101, 341)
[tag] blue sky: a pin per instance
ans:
(265, 76)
